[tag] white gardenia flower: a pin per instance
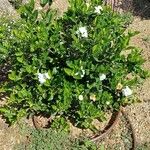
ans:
(107, 103)
(42, 77)
(98, 9)
(102, 77)
(127, 91)
(83, 32)
(93, 97)
(80, 97)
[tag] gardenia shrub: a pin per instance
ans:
(74, 66)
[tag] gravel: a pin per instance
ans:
(6, 8)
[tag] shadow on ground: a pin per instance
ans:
(139, 8)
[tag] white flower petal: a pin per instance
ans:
(127, 91)
(83, 32)
(93, 97)
(107, 103)
(98, 9)
(40, 75)
(102, 77)
(41, 78)
(80, 97)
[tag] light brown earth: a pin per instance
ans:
(138, 113)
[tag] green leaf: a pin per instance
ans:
(21, 113)
(50, 2)
(131, 34)
(49, 16)
(12, 76)
(44, 2)
(67, 95)
(29, 68)
(102, 147)
(19, 53)
(68, 71)
(70, 64)
(2, 90)
(9, 113)
(34, 15)
(96, 51)
(3, 49)
(20, 59)
(31, 5)
(26, 10)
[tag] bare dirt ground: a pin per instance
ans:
(138, 113)
(9, 136)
